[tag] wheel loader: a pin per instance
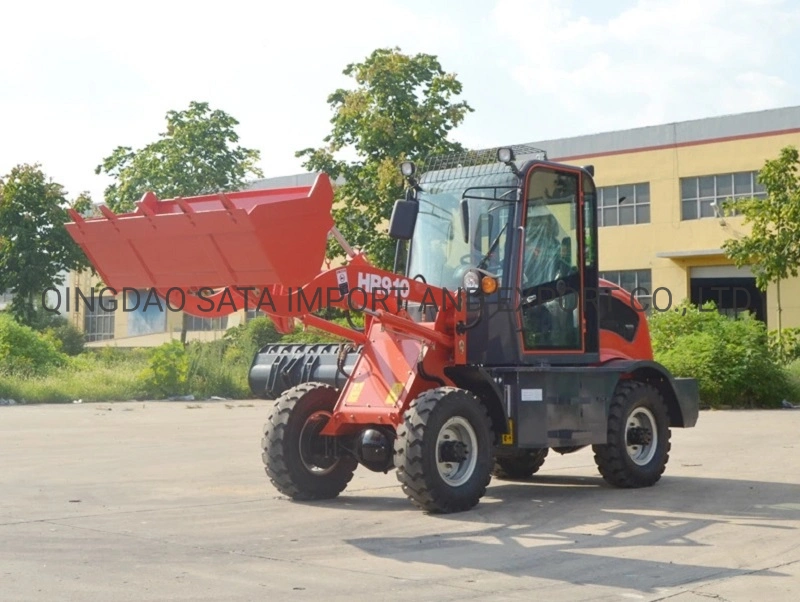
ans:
(492, 343)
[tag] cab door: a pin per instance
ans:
(557, 275)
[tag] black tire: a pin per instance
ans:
(417, 450)
(288, 468)
(636, 405)
(522, 465)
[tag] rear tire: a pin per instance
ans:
(294, 455)
(519, 466)
(638, 445)
(443, 451)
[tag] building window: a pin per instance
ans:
(194, 323)
(147, 314)
(700, 195)
(98, 321)
(624, 205)
(251, 314)
(637, 282)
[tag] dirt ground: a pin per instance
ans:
(169, 501)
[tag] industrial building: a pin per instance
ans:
(660, 189)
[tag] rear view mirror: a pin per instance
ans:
(465, 219)
(403, 220)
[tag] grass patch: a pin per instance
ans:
(89, 376)
(217, 368)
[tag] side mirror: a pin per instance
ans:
(465, 219)
(403, 220)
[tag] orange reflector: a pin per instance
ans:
(488, 285)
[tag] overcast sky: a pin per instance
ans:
(80, 78)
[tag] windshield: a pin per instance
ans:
(438, 251)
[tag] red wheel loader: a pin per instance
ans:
(492, 343)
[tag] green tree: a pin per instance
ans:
(34, 245)
(400, 109)
(772, 247)
(197, 154)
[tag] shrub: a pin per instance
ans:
(167, 372)
(247, 339)
(793, 372)
(25, 352)
(730, 357)
(259, 332)
(785, 348)
(218, 368)
(68, 337)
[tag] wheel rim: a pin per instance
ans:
(457, 451)
(311, 445)
(641, 436)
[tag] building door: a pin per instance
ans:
(733, 290)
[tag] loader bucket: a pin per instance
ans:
(248, 238)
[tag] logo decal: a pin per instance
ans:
(372, 282)
(341, 279)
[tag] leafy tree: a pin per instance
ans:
(772, 247)
(400, 109)
(34, 245)
(197, 154)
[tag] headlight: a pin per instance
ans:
(472, 282)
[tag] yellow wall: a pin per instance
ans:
(636, 246)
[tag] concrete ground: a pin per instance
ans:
(169, 501)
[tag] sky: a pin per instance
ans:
(79, 78)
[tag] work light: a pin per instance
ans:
(505, 155)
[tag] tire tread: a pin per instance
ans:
(409, 455)
(277, 466)
(611, 459)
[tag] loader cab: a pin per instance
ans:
(522, 240)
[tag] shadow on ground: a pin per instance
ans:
(580, 531)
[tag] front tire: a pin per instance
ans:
(638, 445)
(443, 451)
(296, 458)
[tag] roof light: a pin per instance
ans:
(505, 155)
(408, 169)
